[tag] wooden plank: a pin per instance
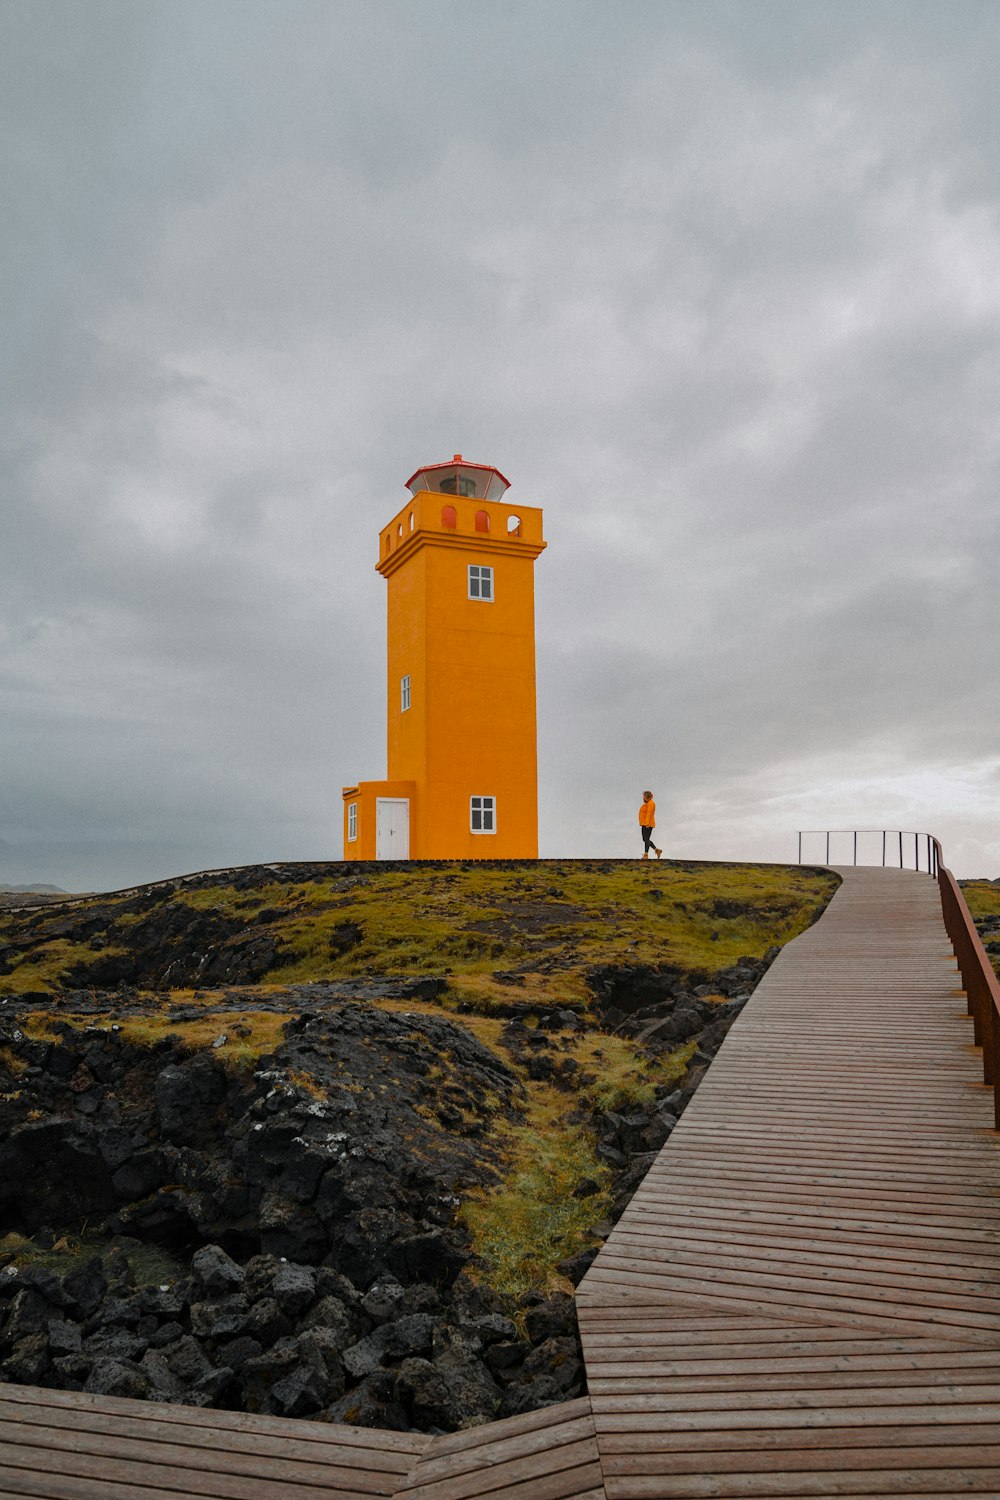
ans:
(532, 1421)
(16, 1484)
(563, 1470)
(811, 1267)
(748, 1388)
(944, 1483)
(843, 1297)
(559, 1439)
(296, 1473)
(18, 1421)
(295, 1430)
(894, 1402)
(812, 1441)
(803, 1461)
(50, 1453)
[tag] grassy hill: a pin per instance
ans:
(550, 921)
(227, 961)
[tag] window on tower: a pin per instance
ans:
(352, 822)
(457, 484)
(480, 582)
(404, 693)
(449, 517)
(483, 814)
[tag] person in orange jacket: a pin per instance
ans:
(647, 822)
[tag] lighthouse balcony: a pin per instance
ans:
(459, 520)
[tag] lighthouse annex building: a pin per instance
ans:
(461, 776)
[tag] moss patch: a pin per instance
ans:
(43, 968)
(522, 1229)
(151, 1264)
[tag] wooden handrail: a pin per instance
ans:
(978, 979)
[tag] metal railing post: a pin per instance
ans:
(828, 847)
(855, 846)
(883, 848)
(900, 848)
(800, 848)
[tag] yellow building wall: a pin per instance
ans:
(471, 727)
(406, 733)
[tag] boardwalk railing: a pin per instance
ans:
(925, 847)
(978, 979)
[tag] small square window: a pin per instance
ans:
(352, 822)
(480, 582)
(483, 814)
(404, 693)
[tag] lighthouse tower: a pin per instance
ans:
(462, 779)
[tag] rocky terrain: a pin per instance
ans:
(247, 1161)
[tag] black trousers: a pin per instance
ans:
(647, 838)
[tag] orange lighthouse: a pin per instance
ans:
(462, 777)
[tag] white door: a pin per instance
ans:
(392, 828)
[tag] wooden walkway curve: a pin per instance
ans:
(803, 1298)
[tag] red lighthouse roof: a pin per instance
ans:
(457, 476)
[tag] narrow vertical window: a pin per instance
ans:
(482, 520)
(449, 517)
(352, 822)
(480, 582)
(483, 814)
(404, 693)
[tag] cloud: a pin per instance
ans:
(717, 286)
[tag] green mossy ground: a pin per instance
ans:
(529, 935)
(553, 920)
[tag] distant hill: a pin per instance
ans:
(34, 890)
(20, 896)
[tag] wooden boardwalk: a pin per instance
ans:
(803, 1298)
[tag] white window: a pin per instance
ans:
(483, 814)
(404, 693)
(480, 582)
(352, 822)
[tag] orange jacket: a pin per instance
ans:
(647, 814)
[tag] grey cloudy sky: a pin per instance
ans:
(716, 283)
